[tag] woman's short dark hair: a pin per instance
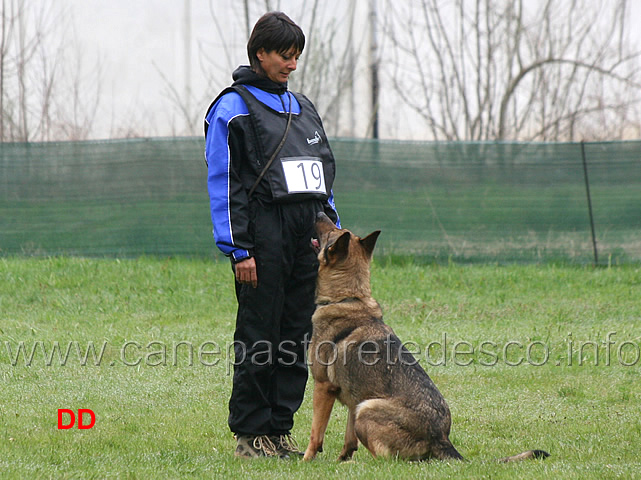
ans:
(274, 31)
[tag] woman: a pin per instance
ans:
(270, 171)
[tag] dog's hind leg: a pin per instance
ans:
(351, 440)
(323, 401)
(388, 428)
(377, 429)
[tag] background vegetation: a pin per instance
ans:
(412, 69)
(435, 201)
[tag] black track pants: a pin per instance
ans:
(274, 321)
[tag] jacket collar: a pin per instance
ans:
(244, 75)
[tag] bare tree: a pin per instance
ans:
(502, 69)
(43, 85)
(326, 73)
(6, 27)
(77, 100)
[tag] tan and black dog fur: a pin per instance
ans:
(395, 410)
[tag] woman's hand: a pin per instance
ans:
(246, 272)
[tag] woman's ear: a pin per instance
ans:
(260, 54)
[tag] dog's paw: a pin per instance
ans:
(347, 454)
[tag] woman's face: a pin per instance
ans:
(278, 66)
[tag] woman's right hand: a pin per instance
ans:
(246, 272)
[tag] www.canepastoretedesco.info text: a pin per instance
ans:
(608, 351)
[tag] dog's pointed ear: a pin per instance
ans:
(369, 242)
(338, 250)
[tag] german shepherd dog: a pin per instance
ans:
(395, 410)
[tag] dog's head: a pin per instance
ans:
(337, 246)
(344, 259)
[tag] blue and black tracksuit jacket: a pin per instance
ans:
(238, 144)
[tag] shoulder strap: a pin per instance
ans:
(278, 148)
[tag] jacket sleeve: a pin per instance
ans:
(330, 210)
(227, 197)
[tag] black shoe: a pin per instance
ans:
(286, 446)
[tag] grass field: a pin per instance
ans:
(527, 356)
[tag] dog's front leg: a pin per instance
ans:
(322, 404)
(351, 441)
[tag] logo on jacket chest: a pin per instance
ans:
(315, 139)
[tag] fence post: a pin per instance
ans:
(587, 190)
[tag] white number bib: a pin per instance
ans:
(304, 175)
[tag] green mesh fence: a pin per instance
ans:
(466, 202)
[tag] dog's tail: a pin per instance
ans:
(530, 454)
(449, 453)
